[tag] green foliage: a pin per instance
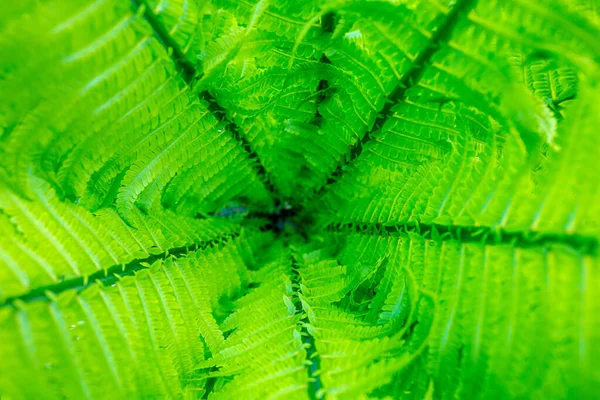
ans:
(339, 199)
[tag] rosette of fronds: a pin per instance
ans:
(299, 199)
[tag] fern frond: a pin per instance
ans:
(163, 316)
(331, 199)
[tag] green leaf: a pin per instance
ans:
(324, 199)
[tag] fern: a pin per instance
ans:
(325, 199)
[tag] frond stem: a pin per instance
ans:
(409, 80)
(475, 234)
(190, 75)
(112, 274)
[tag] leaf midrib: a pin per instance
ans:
(586, 245)
(190, 75)
(409, 80)
(114, 273)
